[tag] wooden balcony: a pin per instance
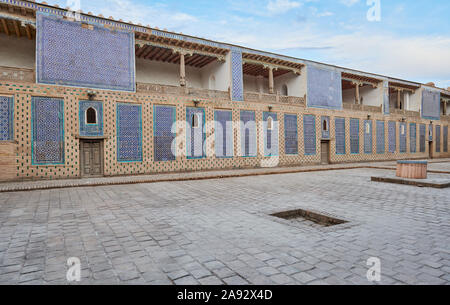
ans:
(17, 75)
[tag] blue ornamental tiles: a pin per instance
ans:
(438, 138)
(340, 136)
(354, 136)
(91, 130)
(70, 54)
(248, 133)
(164, 118)
(129, 132)
(237, 76)
(392, 136)
(431, 104)
(196, 134)
(381, 136)
(325, 125)
(402, 133)
(290, 134)
(223, 133)
(271, 147)
(324, 88)
(445, 138)
(47, 131)
(309, 134)
(368, 139)
(422, 137)
(6, 118)
(413, 138)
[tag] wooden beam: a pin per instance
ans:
(5, 27)
(150, 53)
(17, 28)
(28, 31)
(140, 51)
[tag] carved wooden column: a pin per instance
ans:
(182, 70)
(445, 107)
(399, 99)
(271, 84)
(357, 92)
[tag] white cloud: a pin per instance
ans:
(281, 6)
(349, 2)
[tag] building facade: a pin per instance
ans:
(88, 96)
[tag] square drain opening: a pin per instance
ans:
(301, 215)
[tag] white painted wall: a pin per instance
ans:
(296, 84)
(216, 75)
(415, 100)
(372, 96)
(348, 96)
(17, 52)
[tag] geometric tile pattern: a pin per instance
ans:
(381, 136)
(386, 108)
(412, 138)
(270, 135)
(164, 119)
(96, 57)
(237, 76)
(340, 136)
(248, 133)
(325, 127)
(129, 132)
(445, 138)
(196, 135)
(438, 138)
(324, 88)
(422, 132)
(6, 118)
(223, 133)
(91, 130)
(290, 134)
(392, 129)
(431, 104)
(368, 132)
(48, 131)
(402, 133)
(354, 136)
(309, 131)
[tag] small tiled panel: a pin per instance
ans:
(129, 132)
(412, 138)
(325, 126)
(290, 134)
(48, 131)
(91, 130)
(270, 134)
(392, 137)
(431, 104)
(248, 133)
(423, 132)
(354, 136)
(368, 138)
(438, 138)
(164, 132)
(237, 87)
(309, 134)
(340, 135)
(195, 135)
(402, 133)
(386, 100)
(381, 136)
(6, 118)
(445, 138)
(223, 133)
(324, 88)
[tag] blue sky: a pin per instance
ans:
(411, 41)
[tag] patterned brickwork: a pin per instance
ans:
(164, 119)
(91, 130)
(129, 132)
(73, 55)
(340, 135)
(6, 118)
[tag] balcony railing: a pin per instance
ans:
(17, 74)
(356, 107)
(273, 98)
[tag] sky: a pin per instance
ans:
(403, 39)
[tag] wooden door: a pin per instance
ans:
(430, 150)
(324, 151)
(91, 159)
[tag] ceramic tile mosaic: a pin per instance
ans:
(248, 133)
(354, 136)
(309, 134)
(402, 134)
(164, 118)
(325, 125)
(431, 104)
(445, 138)
(129, 132)
(91, 130)
(381, 137)
(324, 88)
(290, 134)
(340, 135)
(368, 141)
(6, 118)
(422, 138)
(392, 136)
(271, 143)
(196, 133)
(237, 87)
(438, 138)
(223, 133)
(412, 138)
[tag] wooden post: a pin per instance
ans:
(271, 85)
(399, 97)
(182, 71)
(358, 97)
(445, 107)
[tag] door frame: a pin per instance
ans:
(328, 142)
(102, 159)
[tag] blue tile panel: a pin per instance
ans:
(422, 137)
(431, 104)
(164, 118)
(354, 136)
(381, 138)
(392, 136)
(386, 101)
(438, 138)
(309, 134)
(129, 132)
(270, 136)
(368, 138)
(340, 135)
(324, 88)
(248, 134)
(413, 138)
(91, 130)
(402, 133)
(237, 87)
(48, 131)
(445, 138)
(290, 134)
(72, 55)
(325, 126)
(195, 137)
(6, 118)
(224, 133)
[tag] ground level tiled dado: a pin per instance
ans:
(219, 232)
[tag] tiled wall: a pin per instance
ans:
(19, 153)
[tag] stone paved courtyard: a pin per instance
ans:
(219, 232)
